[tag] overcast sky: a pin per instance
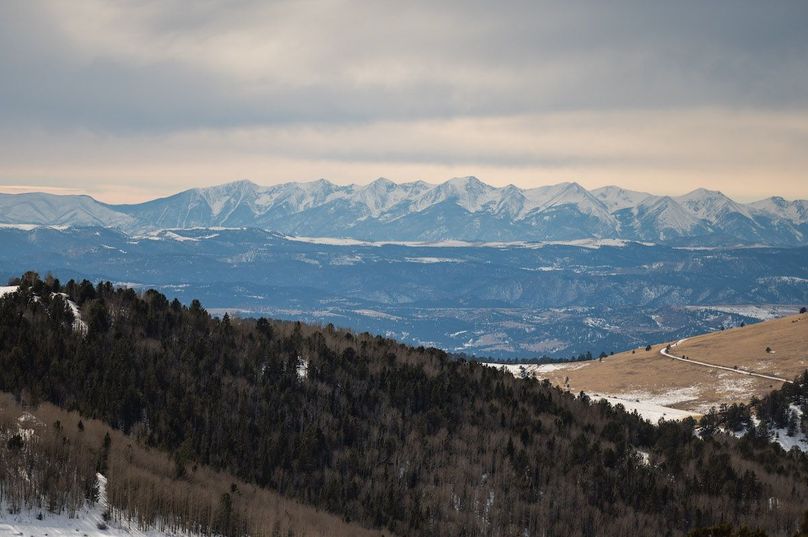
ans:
(128, 100)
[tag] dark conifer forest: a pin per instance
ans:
(393, 438)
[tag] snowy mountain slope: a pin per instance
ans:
(795, 211)
(711, 205)
(577, 196)
(462, 208)
(616, 198)
(50, 209)
(660, 219)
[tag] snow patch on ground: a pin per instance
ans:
(78, 324)
(735, 384)
(645, 457)
(346, 260)
(31, 227)
(580, 243)
(167, 235)
(649, 411)
(671, 397)
(302, 368)
(4, 290)
(782, 279)
(432, 260)
(86, 522)
(799, 440)
(652, 407)
(536, 370)
(491, 342)
(762, 313)
(541, 269)
(377, 314)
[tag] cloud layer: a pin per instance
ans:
(132, 99)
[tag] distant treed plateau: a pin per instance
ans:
(516, 301)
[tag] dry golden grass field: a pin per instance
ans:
(647, 377)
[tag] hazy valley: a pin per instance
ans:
(504, 300)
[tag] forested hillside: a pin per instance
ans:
(59, 469)
(396, 438)
(781, 415)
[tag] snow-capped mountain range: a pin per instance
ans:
(461, 208)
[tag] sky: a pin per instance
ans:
(130, 100)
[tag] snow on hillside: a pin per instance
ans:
(753, 311)
(665, 216)
(463, 208)
(577, 196)
(649, 410)
(796, 211)
(651, 407)
(473, 195)
(468, 192)
(382, 196)
(50, 209)
(421, 210)
(87, 522)
(799, 440)
(78, 324)
(4, 290)
(581, 243)
(302, 368)
(616, 198)
(526, 370)
(780, 436)
(711, 205)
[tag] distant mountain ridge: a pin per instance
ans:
(462, 208)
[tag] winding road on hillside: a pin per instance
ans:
(664, 351)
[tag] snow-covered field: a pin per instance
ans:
(647, 409)
(654, 406)
(526, 370)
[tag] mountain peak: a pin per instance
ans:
(711, 205)
(468, 181)
(573, 186)
(616, 198)
(239, 184)
(242, 182)
(381, 183)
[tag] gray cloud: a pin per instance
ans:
(166, 66)
(132, 94)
